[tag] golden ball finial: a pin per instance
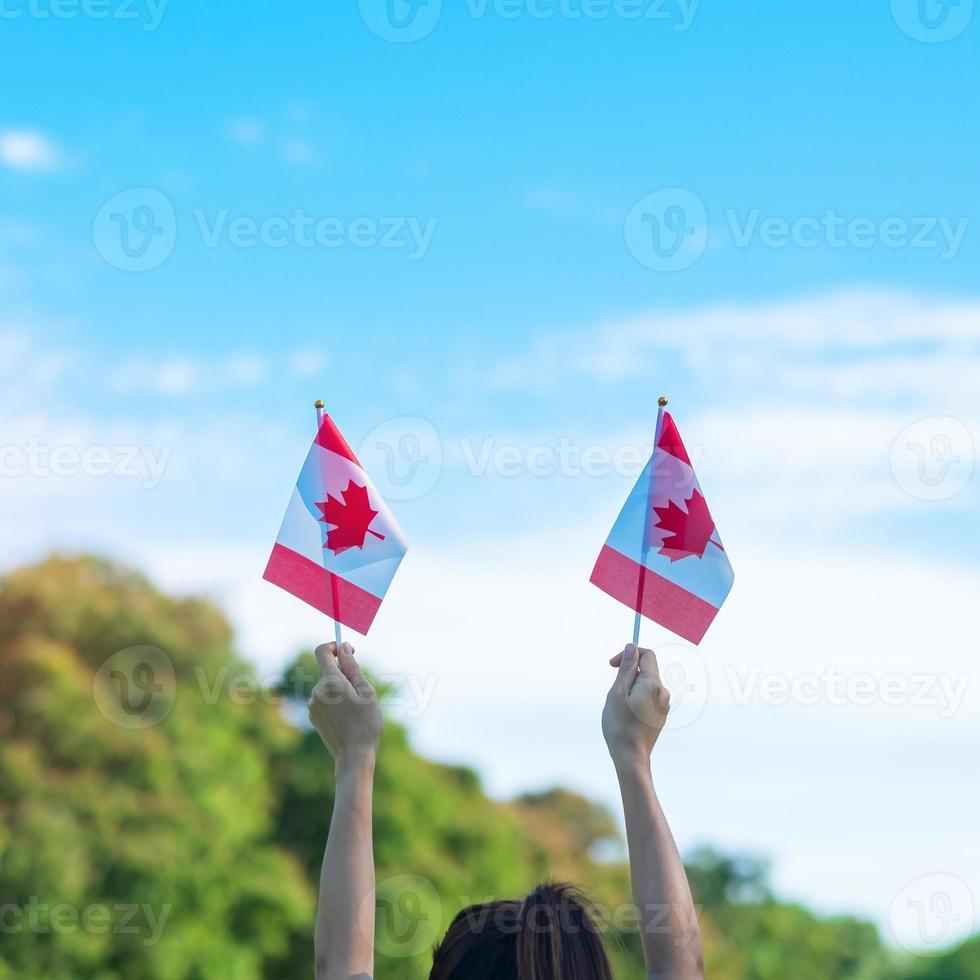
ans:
(318, 404)
(663, 401)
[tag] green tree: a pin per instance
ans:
(961, 963)
(163, 818)
(171, 822)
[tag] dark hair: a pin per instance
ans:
(549, 936)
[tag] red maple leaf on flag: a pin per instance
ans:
(690, 533)
(351, 518)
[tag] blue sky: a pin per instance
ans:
(820, 334)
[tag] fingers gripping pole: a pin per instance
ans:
(318, 405)
(645, 548)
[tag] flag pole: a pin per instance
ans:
(645, 548)
(319, 406)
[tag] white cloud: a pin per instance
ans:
(295, 149)
(560, 202)
(950, 370)
(246, 131)
(803, 400)
(30, 150)
(25, 366)
(306, 363)
(10, 277)
(170, 377)
(300, 111)
(298, 152)
(174, 377)
(555, 201)
(21, 234)
(772, 348)
(812, 473)
(246, 369)
(183, 375)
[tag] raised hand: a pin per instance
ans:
(344, 710)
(636, 706)
(632, 720)
(344, 707)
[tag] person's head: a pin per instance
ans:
(549, 936)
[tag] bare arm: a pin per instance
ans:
(344, 709)
(634, 715)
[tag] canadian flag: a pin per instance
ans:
(339, 546)
(664, 558)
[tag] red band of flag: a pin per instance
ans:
(338, 598)
(658, 599)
